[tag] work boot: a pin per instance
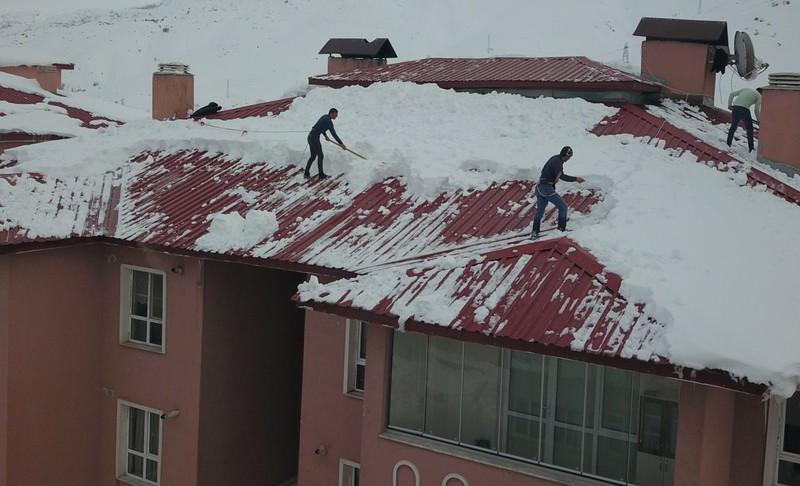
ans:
(562, 224)
(322, 177)
(537, 223)
(306, 174)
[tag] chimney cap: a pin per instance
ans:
(379, 48)
(173, 68)
(712, 32)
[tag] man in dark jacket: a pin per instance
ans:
(545, 190)
(324, 124)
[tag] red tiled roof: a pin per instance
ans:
(87, 119)
(576, 73)
(269, 108)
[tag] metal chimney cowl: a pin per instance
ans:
(173, 92)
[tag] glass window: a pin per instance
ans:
(592, 420)
(138, 451)
(143, 296)
(443, 390)
(355, 357)
(788, 457)
(409, 365)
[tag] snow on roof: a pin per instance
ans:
(707, 256)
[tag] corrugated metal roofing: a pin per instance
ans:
(637, 121)
(87, 119)
(496, 73)
(549, 296)
(269, 108)
(701, 31)
(378, 48)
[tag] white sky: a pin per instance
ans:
(714, 260)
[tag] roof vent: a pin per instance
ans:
(785, 80)
(173, 68)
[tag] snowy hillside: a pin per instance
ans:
(246, 51)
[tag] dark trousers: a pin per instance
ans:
(741, 113)
(316, 152)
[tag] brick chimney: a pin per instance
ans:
(678, 54)
(47, 75)
(351, 54)
(173, 92)
(778, 143)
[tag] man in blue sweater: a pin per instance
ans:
(324, 124)
(545, 190)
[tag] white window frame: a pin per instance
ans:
(774, 452)
(347, 471)
(355, 332)
(123, 432)
(126, 284)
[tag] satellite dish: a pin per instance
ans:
(748, 66)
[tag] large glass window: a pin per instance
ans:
(785, 434)
(587, 419)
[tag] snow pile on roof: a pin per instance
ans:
(713, 260)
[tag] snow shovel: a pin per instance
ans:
(354, 153)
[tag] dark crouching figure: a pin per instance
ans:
(545, 190)
(209, 109)
(324, 124)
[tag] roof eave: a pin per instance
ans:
(712, 377)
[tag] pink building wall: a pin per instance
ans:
(328, 417)
(51, 326)
(166, 381)
(777, 137)
(251, 372)
(683, 67)
(48, 77)
(720, 437)
(63, 370)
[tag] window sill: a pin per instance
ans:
(539, 472)
(133, 481)
(355, 394)
(143, 347)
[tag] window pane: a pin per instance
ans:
(156, 337)
(154, 431)
(788, 473)
(157, 291)
(617, 393)
(136, 429)
(567, 447)
(360, 370)
(135, 465)
(570, 384)
(139, 293)
(522, 437)
(525, 383)
(613, 458)
(407, 393)
(651, 425)
(362, 340)
(152, 470)
(791, 430)
(139, 330)
(443, 391)
(481, 395)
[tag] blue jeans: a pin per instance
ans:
(741, 113)
(545, 193)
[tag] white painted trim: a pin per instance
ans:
(124, 406)
(409, 465)
(454, 476)
(124, 308)
(345, 463)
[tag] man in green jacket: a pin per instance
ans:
(739, 102)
